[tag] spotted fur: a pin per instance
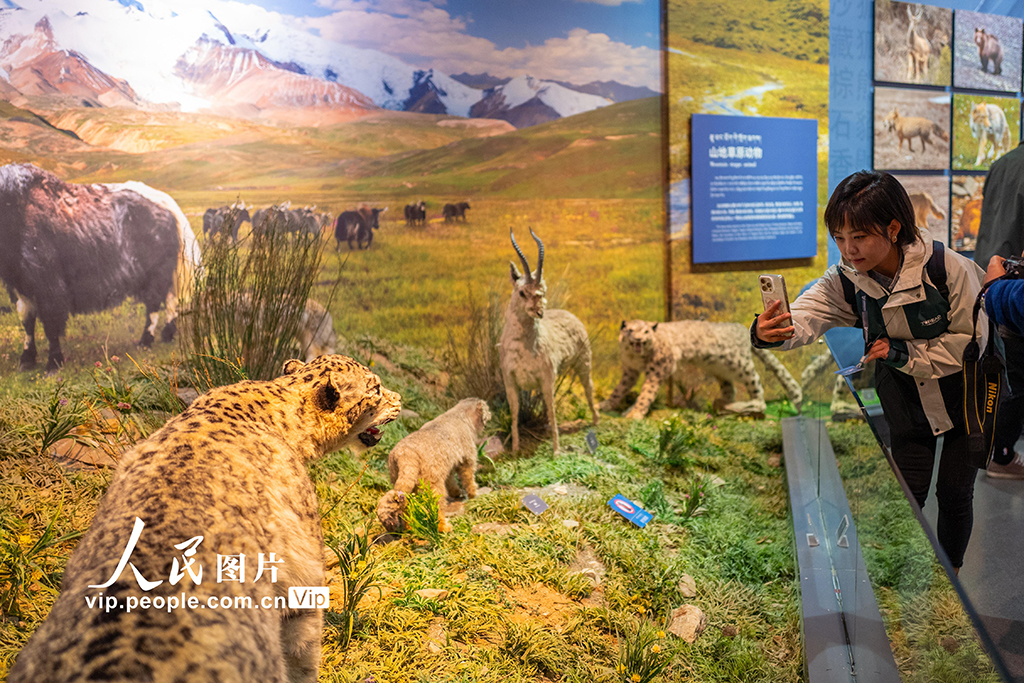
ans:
(231, 468)
(723, 350)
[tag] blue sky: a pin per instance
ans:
(514, 23)
(577, 40)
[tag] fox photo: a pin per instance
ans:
(912, 43)
(967, 195)
(984, 129)
(911, 129)
(987, 52)
(930, 196)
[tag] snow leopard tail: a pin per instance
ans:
(792, 387)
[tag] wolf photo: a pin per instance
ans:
(987, 52)
(930, 196)
(984, 129)
(965, 211)
(912, 43)
(911, 129)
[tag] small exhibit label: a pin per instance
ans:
(535, 504)
(852, 370)
(592, 442)
(630, 510)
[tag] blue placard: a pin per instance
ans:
(630, 510)
(755, 188)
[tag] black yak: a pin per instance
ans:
(81, 248)
(416, 214)
(454, 211)
(357, 225)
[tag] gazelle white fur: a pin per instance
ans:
(537, 344)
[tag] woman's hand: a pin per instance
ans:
(878, 351)
(769, 324)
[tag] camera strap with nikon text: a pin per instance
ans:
(983, 371)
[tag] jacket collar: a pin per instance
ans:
(908, 285)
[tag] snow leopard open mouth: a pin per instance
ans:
(371, 437)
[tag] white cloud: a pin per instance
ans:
(426, 35)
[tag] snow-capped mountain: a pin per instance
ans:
(527, 101)
(229, 55)
(34, 64)
(234, 77)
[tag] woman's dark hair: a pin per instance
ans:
(870, 201)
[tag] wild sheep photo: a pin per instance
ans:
(911, 129)
(912, 43)
(930, 196)
(965, 211)
(987, 52)
(984, 129)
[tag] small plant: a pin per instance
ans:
(423, 514)
(356, 570)
(244, 309)
(676, 441)
(472, 361)
(654, 500)
(534, 646)
(61, 416)
(641, 655)
(695, 498)
(21, 563)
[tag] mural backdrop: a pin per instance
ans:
(732, 58)
(534, 114)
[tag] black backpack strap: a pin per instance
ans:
(937, 269)
(849, 294)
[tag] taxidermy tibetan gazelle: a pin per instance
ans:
(536, 345)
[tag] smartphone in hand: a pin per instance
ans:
(773, 288)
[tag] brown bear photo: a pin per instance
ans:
(987, 51)
(911, 129)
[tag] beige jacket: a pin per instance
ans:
(911, 317)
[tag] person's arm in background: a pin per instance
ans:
(1004, 300)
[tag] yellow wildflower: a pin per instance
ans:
(661, 634)
(636, 678)
(24, 540)
(655, 649)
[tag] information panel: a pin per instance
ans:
(755, 188)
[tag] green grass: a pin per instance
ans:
(514, 611)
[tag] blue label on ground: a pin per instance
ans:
(630, 510)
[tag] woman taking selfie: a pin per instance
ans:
(913, 298)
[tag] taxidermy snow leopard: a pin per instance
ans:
(722, 350)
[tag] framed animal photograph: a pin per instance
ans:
(965, 211)
(930, 196)
(984, 129)
(911, 129)
(987, 51)
(912, 43)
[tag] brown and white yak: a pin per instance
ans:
(80, 248)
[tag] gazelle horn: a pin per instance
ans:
(522, 257)
(540, 257)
